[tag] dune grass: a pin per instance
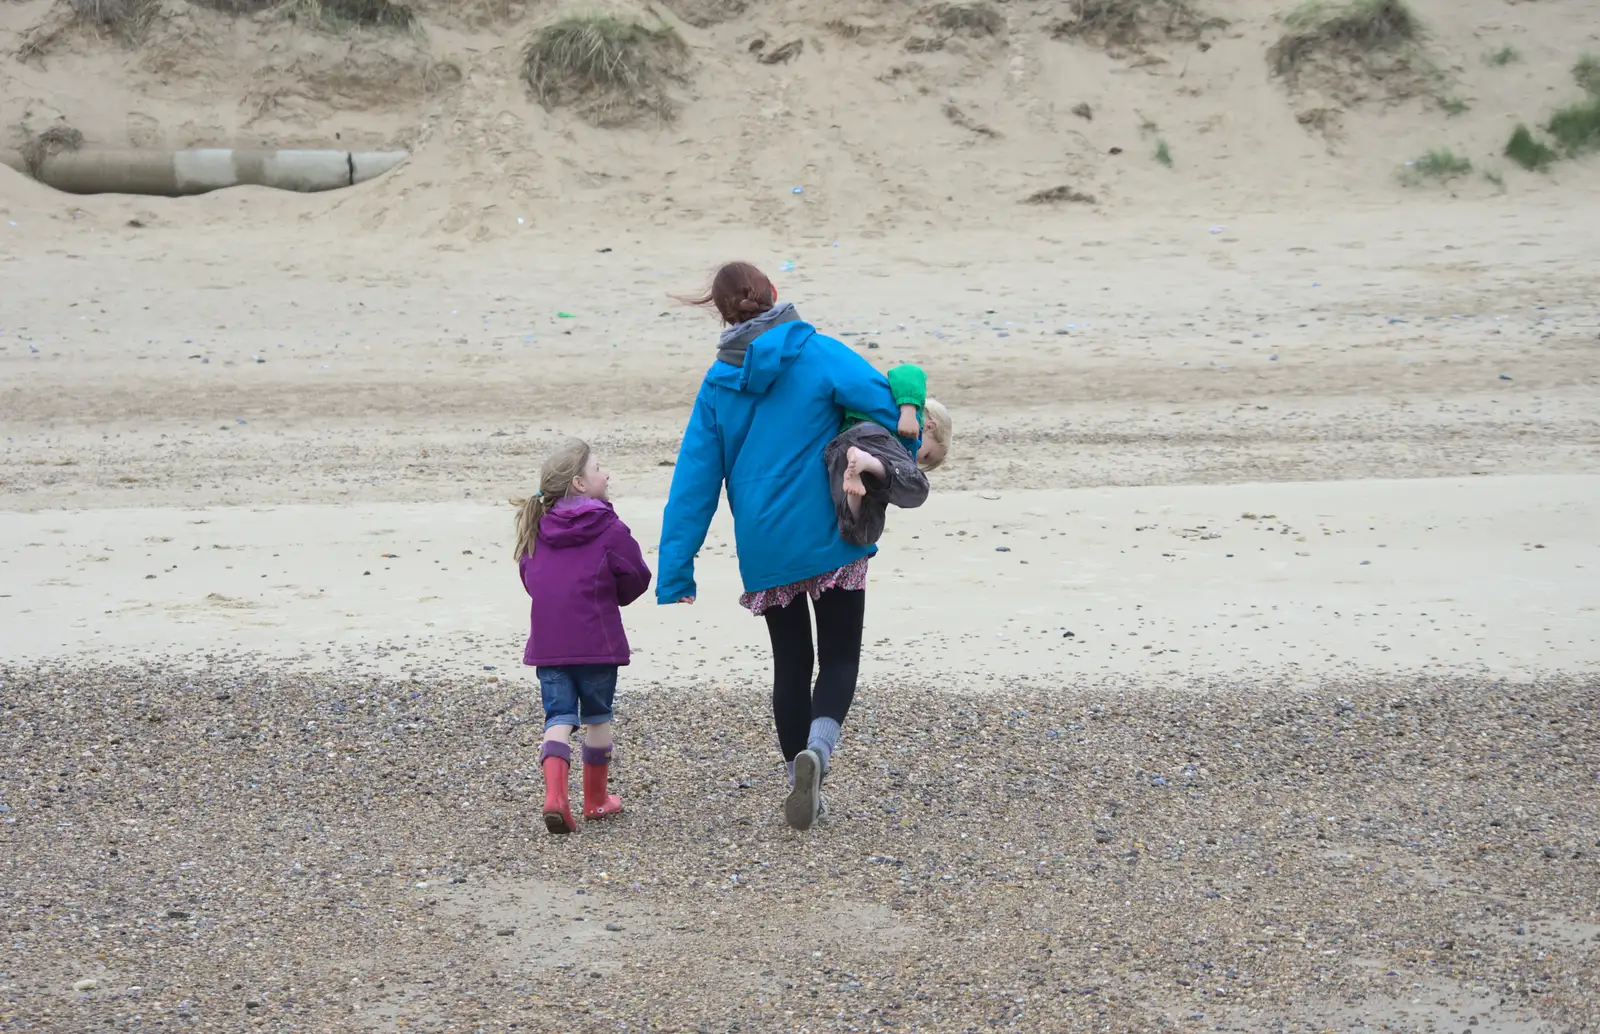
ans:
(1352, 29)
(1576, 127)
(1587, 73)
(1528, 151)
(127, 20)
(1132, 23)
(972, 19)
(1438, 166)
(338, 15)
(612, 70)
(1506, 55)
(1163, 153)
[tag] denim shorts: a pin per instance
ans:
(578, 694)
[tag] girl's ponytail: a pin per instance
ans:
(530, 512)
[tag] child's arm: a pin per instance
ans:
(908, 385)
(627, 565)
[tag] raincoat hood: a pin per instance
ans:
(575, 521)
(766, 357)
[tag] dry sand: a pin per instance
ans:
(1304, 461)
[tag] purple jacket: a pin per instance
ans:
(585, 567)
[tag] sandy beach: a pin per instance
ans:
(1317, 747)
(1493, 576)
(1241, 673)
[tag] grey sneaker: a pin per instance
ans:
(805, 798)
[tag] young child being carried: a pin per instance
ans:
(869, 468)
(580, 565)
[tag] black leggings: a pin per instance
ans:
(840, 615)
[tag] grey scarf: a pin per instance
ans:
(736, 339)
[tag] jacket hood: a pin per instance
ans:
(575, 521)
(765, 358)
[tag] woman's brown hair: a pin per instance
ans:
(555, 481)
(739, 291)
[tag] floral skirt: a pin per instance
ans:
(852, 576)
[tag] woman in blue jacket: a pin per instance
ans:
(775, 396)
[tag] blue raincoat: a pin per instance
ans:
(760, 430)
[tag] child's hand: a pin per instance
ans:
(687, 599)
(909, 428)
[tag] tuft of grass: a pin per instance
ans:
(1133, 23)
(239, 6)
(1587, 73)
(1452, 105)
(127, 20)
(974, 19)
(1059, 195)
(1496, 177)
(1353, 29)
(1438, 165)
(337, 15)
(612, 71)
(1504, 56)
(1576, 127)
(1163, 153)
(1527, 151)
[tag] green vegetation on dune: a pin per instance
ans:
(337, 15)
(1587, 73)
(1357, 27)
(613, 70)
(1527, 151)
(1438, 165)
(1576, 127)
(976, 19)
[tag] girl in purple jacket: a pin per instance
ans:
(580, 565)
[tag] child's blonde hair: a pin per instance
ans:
(936, 425)
(555, 482)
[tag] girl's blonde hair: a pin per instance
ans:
(555, 482)
(937, 425)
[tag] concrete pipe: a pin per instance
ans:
(177, 173)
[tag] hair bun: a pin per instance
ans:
(738, 291)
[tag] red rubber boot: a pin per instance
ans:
(557, 765)
(598, 800)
